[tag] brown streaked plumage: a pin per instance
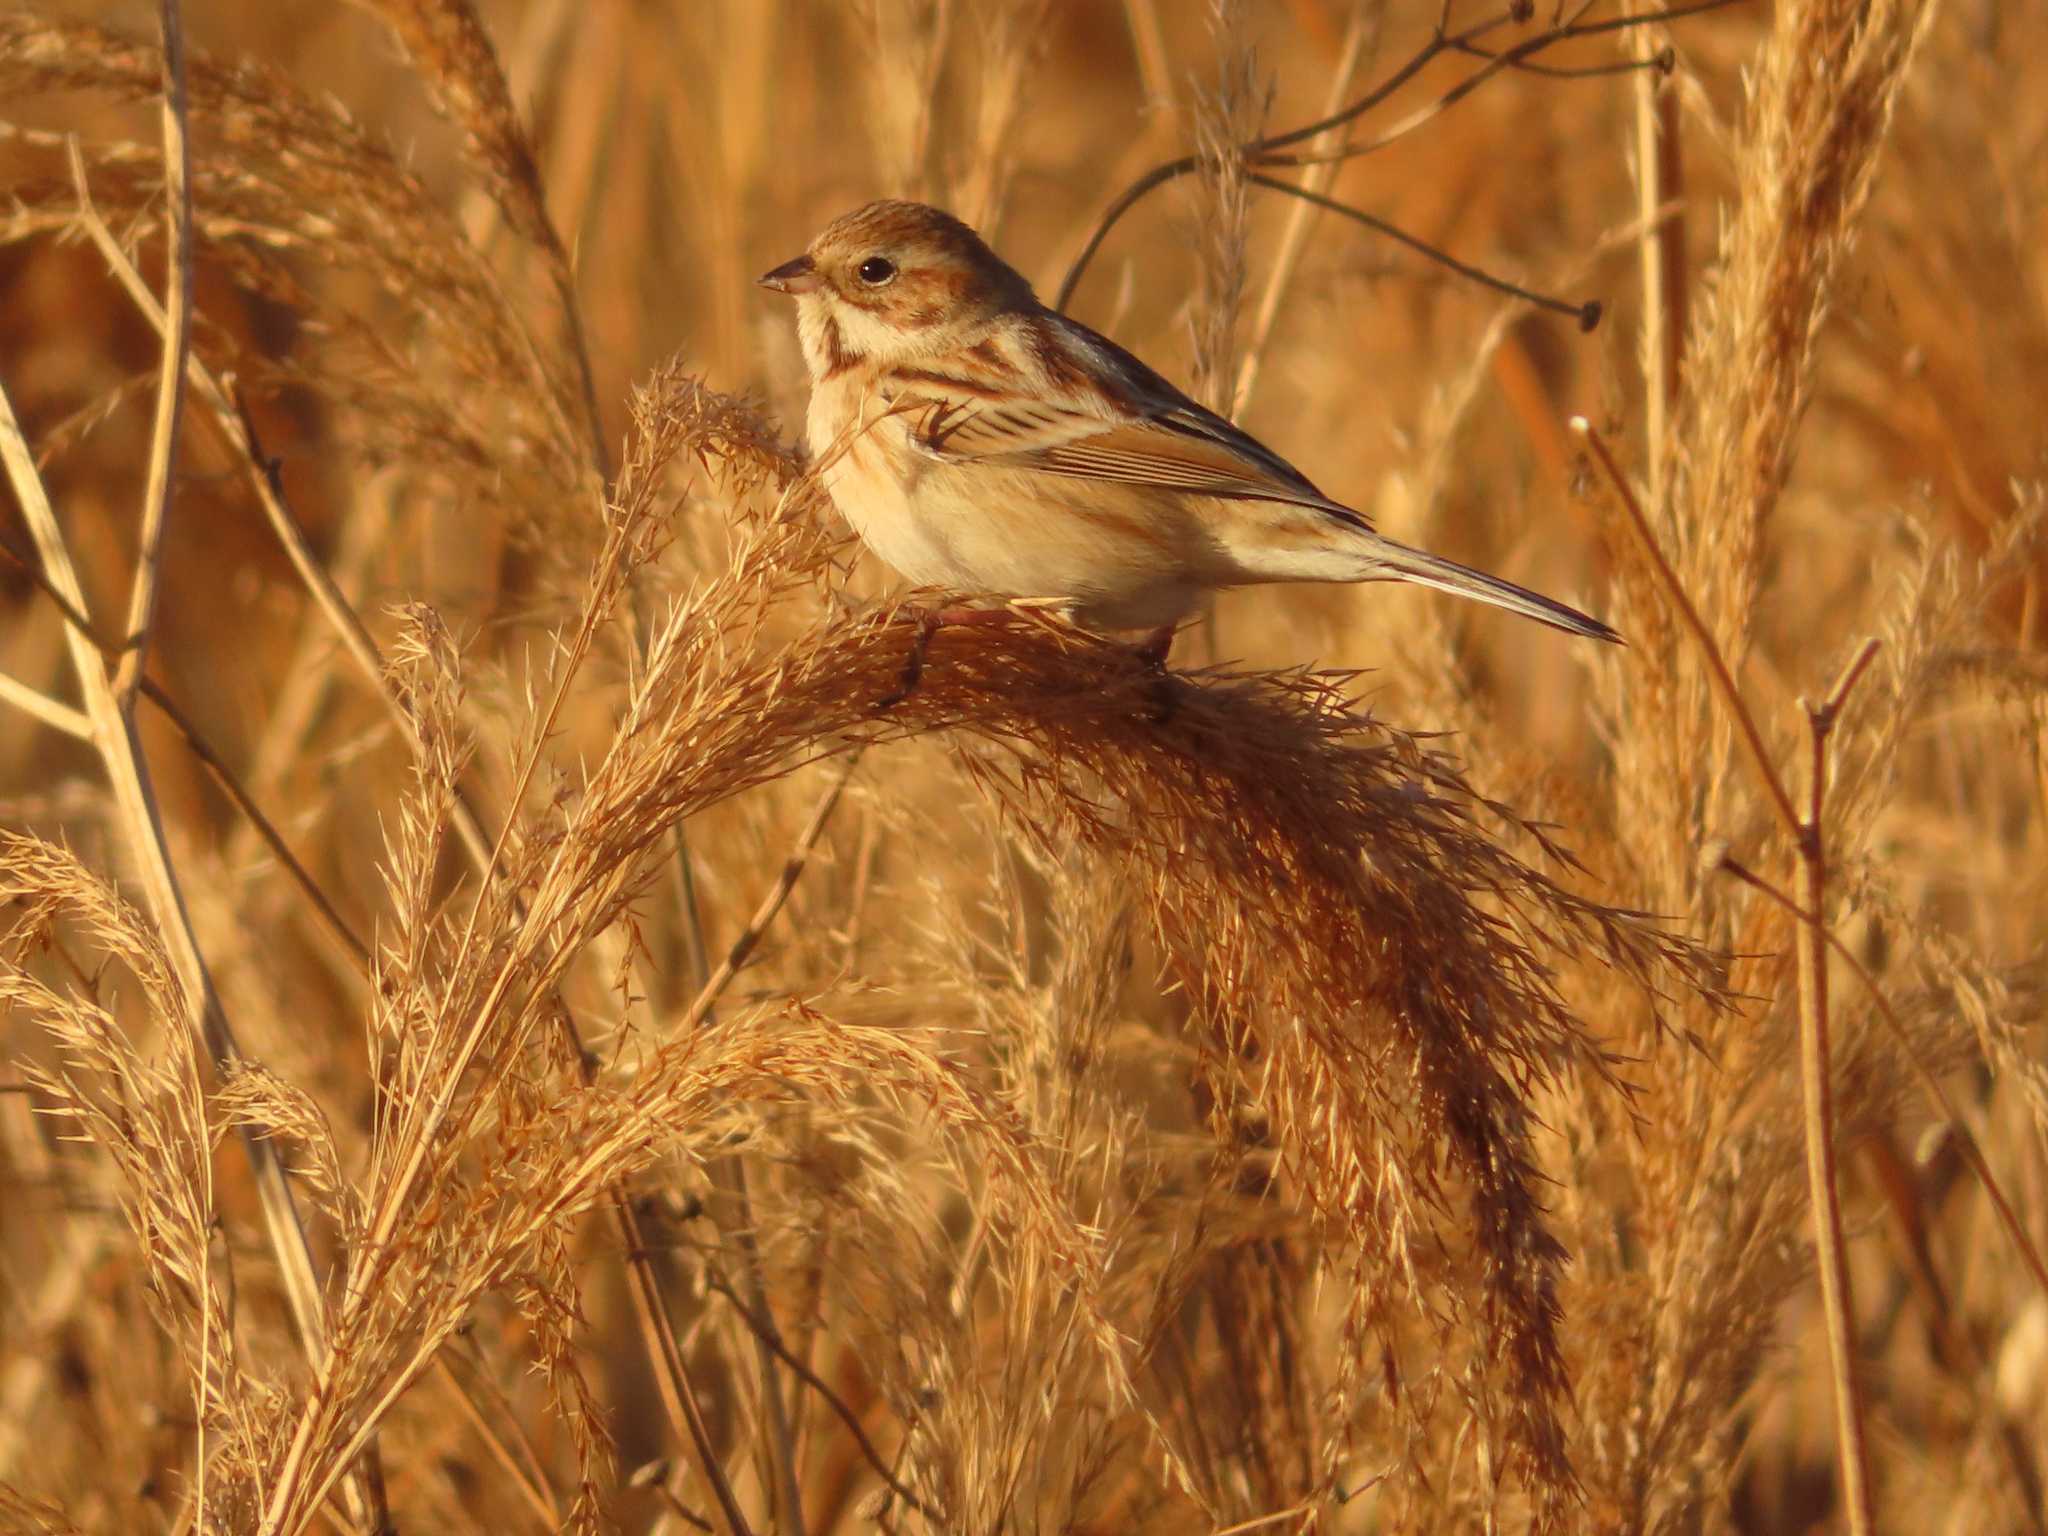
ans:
(977, 440)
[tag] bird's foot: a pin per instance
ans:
(929, 622)
(1153, 648)
(1162, 687)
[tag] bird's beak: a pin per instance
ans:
(792, 277)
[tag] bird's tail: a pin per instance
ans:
(1392, 561)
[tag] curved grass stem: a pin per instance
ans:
(1815, 1068)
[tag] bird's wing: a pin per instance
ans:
(1116, 420)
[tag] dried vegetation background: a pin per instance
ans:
(626, 1082)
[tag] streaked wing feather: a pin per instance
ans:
(1156, 454)
(1163, 440)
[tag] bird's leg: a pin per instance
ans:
(1151, 654)
(1153, 648)
(929, 622)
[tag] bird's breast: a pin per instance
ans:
(1116, 555)
(875, 478)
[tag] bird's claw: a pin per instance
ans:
(928, 624)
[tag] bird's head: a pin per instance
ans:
(894, 282)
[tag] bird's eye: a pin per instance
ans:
(877, 270)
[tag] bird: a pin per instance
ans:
(980, 442)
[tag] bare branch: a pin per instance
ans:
(1268, 153)
(1587, 314)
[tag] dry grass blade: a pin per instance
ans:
(170, 384)
(56, 715)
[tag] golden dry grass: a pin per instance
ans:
(630, 1082)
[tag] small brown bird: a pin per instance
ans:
(977, 440)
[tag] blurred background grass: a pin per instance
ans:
(684, 149)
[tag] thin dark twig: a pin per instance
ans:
(771, 904)
(536, 1496)
(1851, 675)
(579, 350)
(44, 585)
(1439, 41)
(680, 1510)
(1125, 201)
(330, 919)
(771, 1336)
(1516, 58)
(672, 1379)
(729, 1173)
(1952, 1345)
(1662, 62)
(1645, 18)
(1587, 314)
(1264, 151)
